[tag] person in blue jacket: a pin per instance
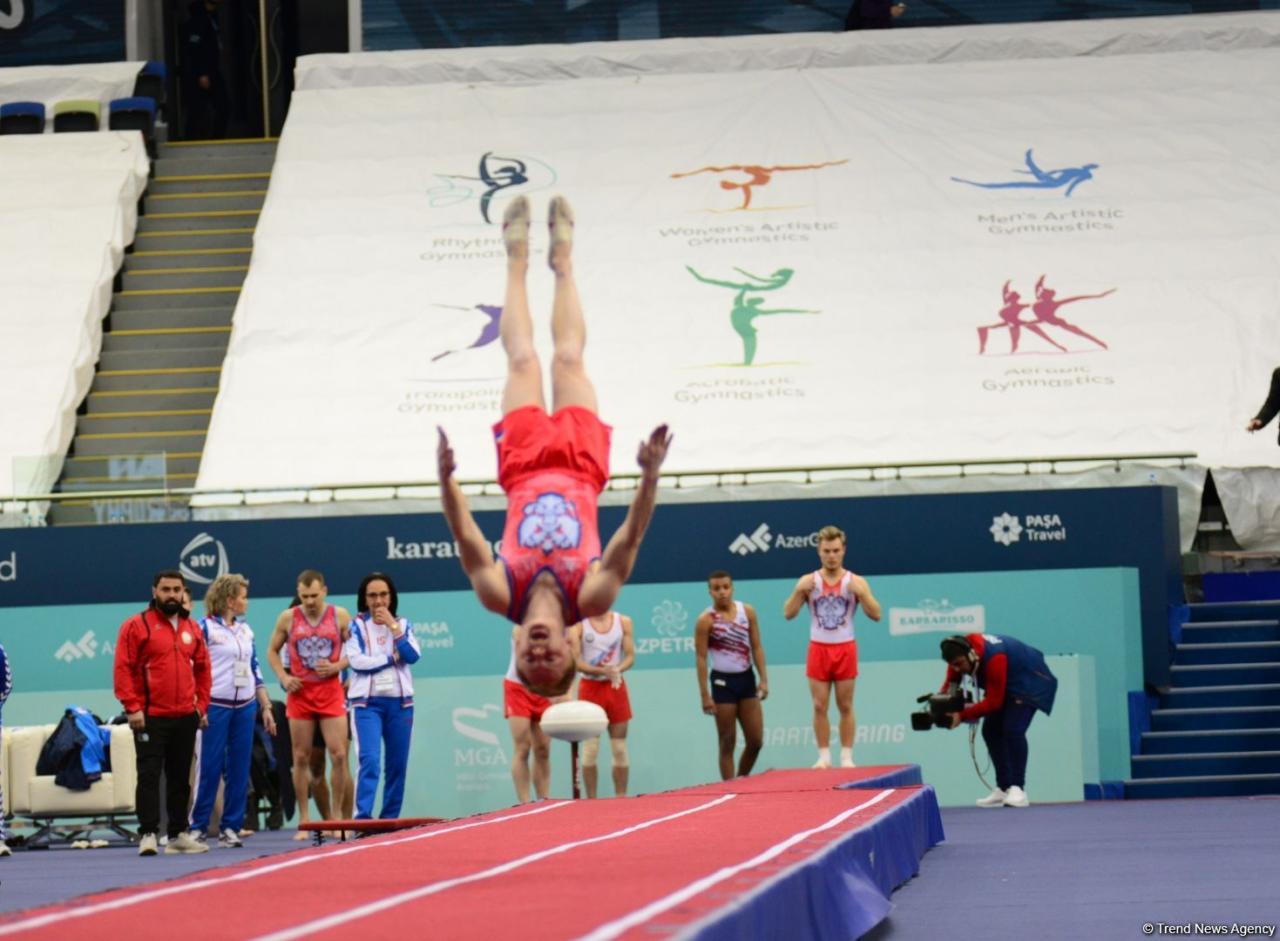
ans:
(1016, 682)
(380, 649)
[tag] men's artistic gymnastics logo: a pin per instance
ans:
(550, 522)
(1045, 307)
(747, 308)
(745, 178)
(521, 175)
(1063, 178)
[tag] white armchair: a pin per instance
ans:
(36, 797)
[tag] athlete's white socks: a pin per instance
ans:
(846, 758)
(824, 755)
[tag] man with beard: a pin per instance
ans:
(163, 680)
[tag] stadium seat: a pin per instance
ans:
(22, 117)
(77, 114)
(151, 84)
(135, 114)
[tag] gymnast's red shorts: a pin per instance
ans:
(615, 702)
(832, 662)
(573, 439)
(518, 700)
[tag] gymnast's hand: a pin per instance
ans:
(445, 464)
(653, 452)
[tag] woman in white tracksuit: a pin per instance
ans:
(380, 650)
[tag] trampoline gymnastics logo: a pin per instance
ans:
(203, 559)
(1005, 529)
(521, 174)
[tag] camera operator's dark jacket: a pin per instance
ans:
(1271, 407)
(1007, 669)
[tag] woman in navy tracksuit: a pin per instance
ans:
(380, 650)
(225, 748)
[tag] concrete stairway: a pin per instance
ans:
(143, 424)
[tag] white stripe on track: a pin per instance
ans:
(40, 921)
(614, 928)
(370, 908)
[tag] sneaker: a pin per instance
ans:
(994, 799)
(1016, 797)
(228, 839)
(4, 849)
(147, 845)
(186, 842)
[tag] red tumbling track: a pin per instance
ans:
(556, 869)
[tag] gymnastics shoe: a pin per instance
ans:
(822, 763)
(1016, 797)
(994, 799)
(147, 845)
(559, 223)
(515, 224)
(186, 842)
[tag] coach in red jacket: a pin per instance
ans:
(162, 677)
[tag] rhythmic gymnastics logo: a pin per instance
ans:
(748, 305)
(550, 522)
(497, 179)
(743, 179)
(1033, 177)
(1047, 323)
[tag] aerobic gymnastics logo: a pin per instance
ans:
(1047, 323)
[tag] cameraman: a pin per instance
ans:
(1016, 682)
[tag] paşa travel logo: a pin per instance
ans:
(1047, 324)
(741, 180)
(1033, 177)
(496, 180)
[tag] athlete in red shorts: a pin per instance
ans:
(315, 633)
(604, 648)
(832, 595)
(551, 572)
(523, 709)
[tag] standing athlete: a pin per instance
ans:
(832, 594)
(605, 649)
(315, 633)
(729, 634)
(551, 572)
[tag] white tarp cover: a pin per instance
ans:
(792, 267)
(68, 208)
(102, 82)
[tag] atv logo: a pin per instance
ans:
(203, 559)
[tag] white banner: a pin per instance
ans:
(1060, 257)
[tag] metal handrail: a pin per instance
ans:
(674, 479)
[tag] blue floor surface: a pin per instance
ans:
(1095, 870)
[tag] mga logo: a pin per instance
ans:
(758, 541)
(203, 559)
(86, 648)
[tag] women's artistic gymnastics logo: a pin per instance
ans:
(1047, 322)
(745, 178)
(495, 175)
(1063, 178)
